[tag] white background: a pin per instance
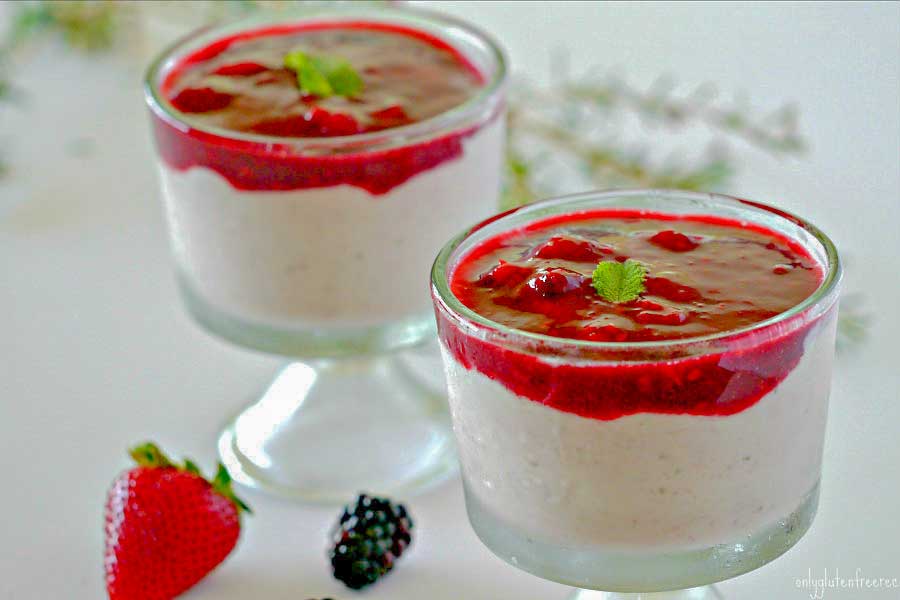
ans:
(96, 353)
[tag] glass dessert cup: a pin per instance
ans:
(313, 249)
(645, 503)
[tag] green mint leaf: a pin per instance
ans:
(323, 76)
(619, 282)
(344, 79)
(310, 78)
(295, 59)
(312, 81)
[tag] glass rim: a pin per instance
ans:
(429, 128)
(440, 283)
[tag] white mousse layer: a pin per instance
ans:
(647, 480)
(334, 256)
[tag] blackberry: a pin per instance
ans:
(370, 536)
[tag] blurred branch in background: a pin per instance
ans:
(579, 122)
(853, 321)
(579, 132)
(83, 25)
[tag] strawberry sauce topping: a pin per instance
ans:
(240, 84)
(706, 275)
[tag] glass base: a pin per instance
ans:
(707, 592)
(327, 430)
(600, 569)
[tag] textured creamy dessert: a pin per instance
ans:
(329, 221)
(663, 444)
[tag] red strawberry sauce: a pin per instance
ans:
(706, 275)
(239, 83)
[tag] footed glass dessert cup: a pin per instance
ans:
(306, 234)
(649, 467)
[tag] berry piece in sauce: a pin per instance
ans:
(504, 274)
(201, 100)
(241, 69)
(674, 241)
(556, 281)
(564, 248)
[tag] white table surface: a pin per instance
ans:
(96, 352)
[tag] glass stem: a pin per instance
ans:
(325, 430)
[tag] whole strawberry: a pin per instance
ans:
(166, 526)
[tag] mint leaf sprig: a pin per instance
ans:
(619, 282)
(324, 76)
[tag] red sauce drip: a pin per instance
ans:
(278, 167)
(712, 385)
(274, 167)
(718, 384)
